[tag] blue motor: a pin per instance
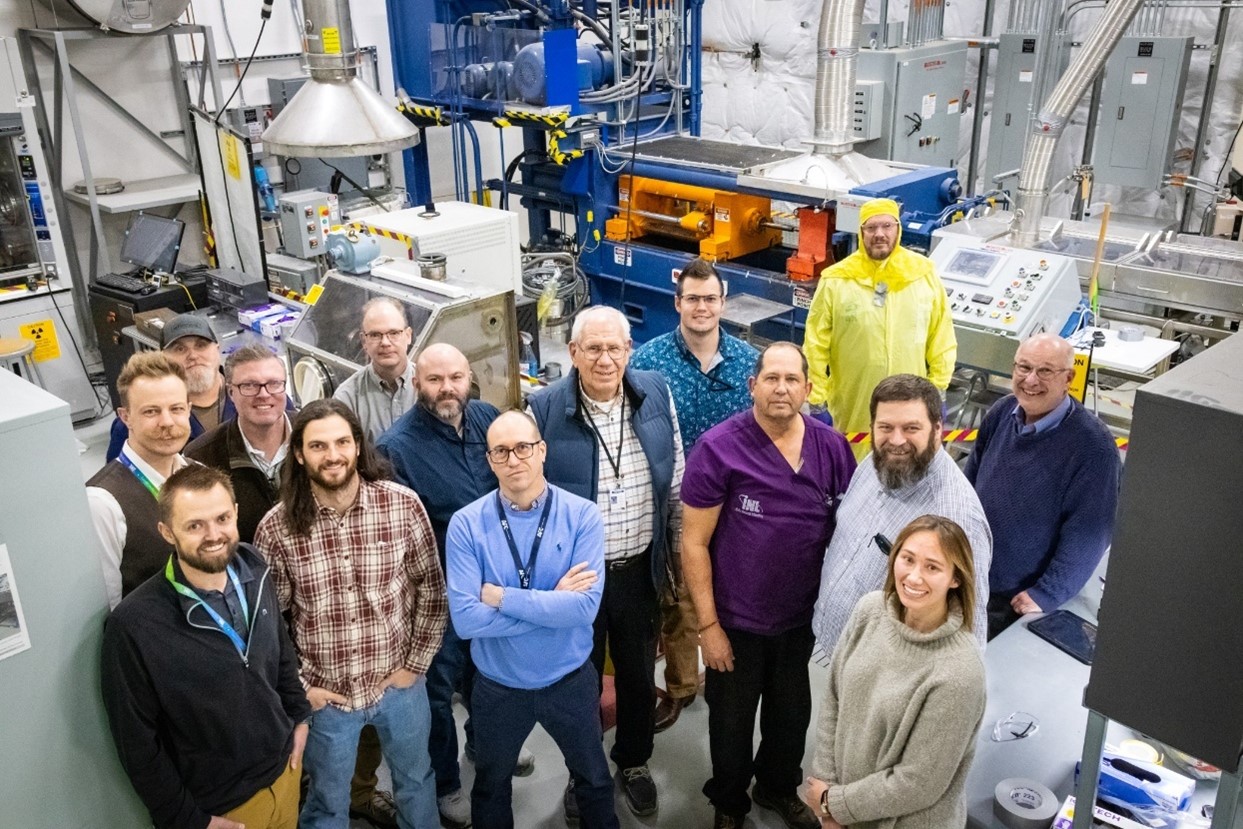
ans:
(529, 81)
(351, 251)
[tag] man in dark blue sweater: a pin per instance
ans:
(1047, 471)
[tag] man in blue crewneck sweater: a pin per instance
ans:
(524, 573)
(1047, 471)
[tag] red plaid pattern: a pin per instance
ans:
(364, 590)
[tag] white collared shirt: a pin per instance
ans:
(271, 469)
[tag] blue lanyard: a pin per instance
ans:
(147, 483)
(524, 573)
(224, 626)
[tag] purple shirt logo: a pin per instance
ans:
(749, 505)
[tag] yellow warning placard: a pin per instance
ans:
(1079, 383)
(43, 333)
(232, 157)
(312, 296)
(330, 38)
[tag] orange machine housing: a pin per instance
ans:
(726, 225)
(815, 244)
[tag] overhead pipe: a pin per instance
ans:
(837, 50)
(1047, 127)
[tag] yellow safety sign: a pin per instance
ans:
(330, 38)
(43, 334)
(312, 296)
(232, 157)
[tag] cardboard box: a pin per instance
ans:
(1100, 817)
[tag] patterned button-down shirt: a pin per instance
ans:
(703, 398)
(364, 590)
(855, 564)
(625, 494)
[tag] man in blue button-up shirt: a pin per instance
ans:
(707, 371)
(437, 449)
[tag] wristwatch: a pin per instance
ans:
(824, 803)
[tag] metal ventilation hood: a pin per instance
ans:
(335, 114)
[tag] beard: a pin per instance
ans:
(898, 469)
(206, 562)
(200, 379)
(446, 406)
(320, 479)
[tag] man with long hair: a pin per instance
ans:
(354, 564)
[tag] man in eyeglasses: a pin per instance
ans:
(525, 577)
(1047, 472)
(613, 438)
(439, 450)
(707, 371)
(383, 390)
(250, 448)
(878, 312)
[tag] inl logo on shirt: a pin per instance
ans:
(749, 505)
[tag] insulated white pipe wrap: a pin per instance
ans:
(1046, 131)
(836, 54)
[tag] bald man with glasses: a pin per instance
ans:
(383, 390)
(1047, 472)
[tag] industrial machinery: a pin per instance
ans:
(135, 18)
(36, 299)
(325, 347)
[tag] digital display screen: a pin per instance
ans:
(974, 265)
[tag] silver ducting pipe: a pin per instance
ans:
(836, 52)
(1047, 127)
(335, 114)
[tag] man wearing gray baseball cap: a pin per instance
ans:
(189, 341)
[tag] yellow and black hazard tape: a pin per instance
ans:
(387, 234)
(423, 116)
(956, 436)
(517, 117)
(554, 149)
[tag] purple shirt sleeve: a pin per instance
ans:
(704, 481)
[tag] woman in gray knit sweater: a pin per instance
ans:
(906, 693)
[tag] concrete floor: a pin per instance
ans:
(679, 766)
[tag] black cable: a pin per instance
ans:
(72, 339)
(228, 202)
(1228, 164)
(263, 25)
(357, 186)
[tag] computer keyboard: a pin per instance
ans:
(122, 282)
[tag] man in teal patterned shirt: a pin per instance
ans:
(707, 371)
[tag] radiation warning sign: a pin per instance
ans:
(43, 333)
(1079, 383)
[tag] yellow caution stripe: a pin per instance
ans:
(518, 116)
(955, 436)
(423, 116)
(387, 234)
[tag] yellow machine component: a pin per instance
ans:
(726, 225)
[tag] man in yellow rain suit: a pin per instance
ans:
(880, 311)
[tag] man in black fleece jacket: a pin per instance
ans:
(199, 676)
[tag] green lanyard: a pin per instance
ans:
(220, 621)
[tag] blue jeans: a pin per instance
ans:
(402, 719)
(450, 670)
(569, 710)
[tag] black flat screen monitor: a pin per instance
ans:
(152, 242)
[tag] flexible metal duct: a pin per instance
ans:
(1047, 127)
(335, 114)
(836, 53)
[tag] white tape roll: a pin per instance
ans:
(1024, 804)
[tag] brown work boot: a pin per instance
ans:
(724, 820)
(669, 709)
(379, 811)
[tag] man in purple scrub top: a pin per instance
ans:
(759, 498)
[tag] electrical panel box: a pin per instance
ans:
(922, 101)
(1141, 102)
(1010, 122)
(999, 296)
(869, 107)
(306, 217)
(313, 173)
(289, 274)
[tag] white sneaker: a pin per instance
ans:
(526, 764)
(454, 810)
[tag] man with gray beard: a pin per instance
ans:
(909, 475)
(189, 341)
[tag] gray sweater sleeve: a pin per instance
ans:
(823, 766)
(941, 737)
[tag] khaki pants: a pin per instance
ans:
(679, 632)
(275, 807)
(362, 787)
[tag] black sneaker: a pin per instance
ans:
(724, 820)
(570, 803)
(792, 811)
(639, 788)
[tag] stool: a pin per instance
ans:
(15, 355)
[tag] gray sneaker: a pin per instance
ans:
(454, 810)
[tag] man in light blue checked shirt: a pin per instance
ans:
(906, 475)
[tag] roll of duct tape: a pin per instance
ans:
(1024, 804)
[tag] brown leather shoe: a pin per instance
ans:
(669, 709)
(380, 810)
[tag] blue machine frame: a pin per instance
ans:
(560, 165)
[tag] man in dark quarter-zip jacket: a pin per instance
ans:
(200, 678)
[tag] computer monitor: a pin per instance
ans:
(152, 242)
